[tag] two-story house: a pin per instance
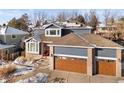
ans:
(38, 43)
(76, 49)
(10, 40)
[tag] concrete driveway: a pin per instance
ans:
(58, 76)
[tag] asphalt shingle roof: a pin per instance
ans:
(73, 40)
(99, 41)
(88, 40)
(11, 31)
(51, 39)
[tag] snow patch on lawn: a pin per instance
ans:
(38, 78)
(22, 70)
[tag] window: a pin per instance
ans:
(47, 32)
(52, 32)
(32, 47)
(13, 36)
(58, 32)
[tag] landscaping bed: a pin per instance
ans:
(23, 71)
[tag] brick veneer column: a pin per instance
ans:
(118, 63)
(51, 58)
(90, 61)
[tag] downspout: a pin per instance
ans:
(4, 38)
(5, 34)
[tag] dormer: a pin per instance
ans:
(53, 30)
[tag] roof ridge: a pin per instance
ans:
(84, 39)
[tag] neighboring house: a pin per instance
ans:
(105, 29)
(71, 24)
(37, 44)
(10, 40)
(86, 53)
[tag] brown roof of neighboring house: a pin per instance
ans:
(87, 40)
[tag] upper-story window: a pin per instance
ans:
(53, 32)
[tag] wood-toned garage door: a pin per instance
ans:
(71, 64)
(106, 67)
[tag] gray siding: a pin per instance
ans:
(122, 65)
(11, 50)
(77, 31)
(106, 52)
(1, 38)
(71, 51)
(16, 40)
(80, 31)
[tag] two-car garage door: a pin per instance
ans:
(71, 64)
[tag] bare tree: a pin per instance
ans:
(39, 16)
(52, 18)
(106, 15)
(93, 19)
(62, 16)
(74, 14)
(87, 18)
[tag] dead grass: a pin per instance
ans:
(5, 70)
(30, 74)
(21, 59)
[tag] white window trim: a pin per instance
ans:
(74, 56)
(28, 49)
(106, 58)
(48, 35)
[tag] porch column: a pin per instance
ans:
(90, 61)
(51, 58)
(118, 63)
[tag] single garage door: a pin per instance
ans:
(106, 67)
(71, 64)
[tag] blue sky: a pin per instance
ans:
(8, 14)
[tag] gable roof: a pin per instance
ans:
(11, 31)
(33, 38)
(52, 25)
(87, 40)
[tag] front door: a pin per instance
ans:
(45, 49)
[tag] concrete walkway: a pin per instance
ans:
(58, 76)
